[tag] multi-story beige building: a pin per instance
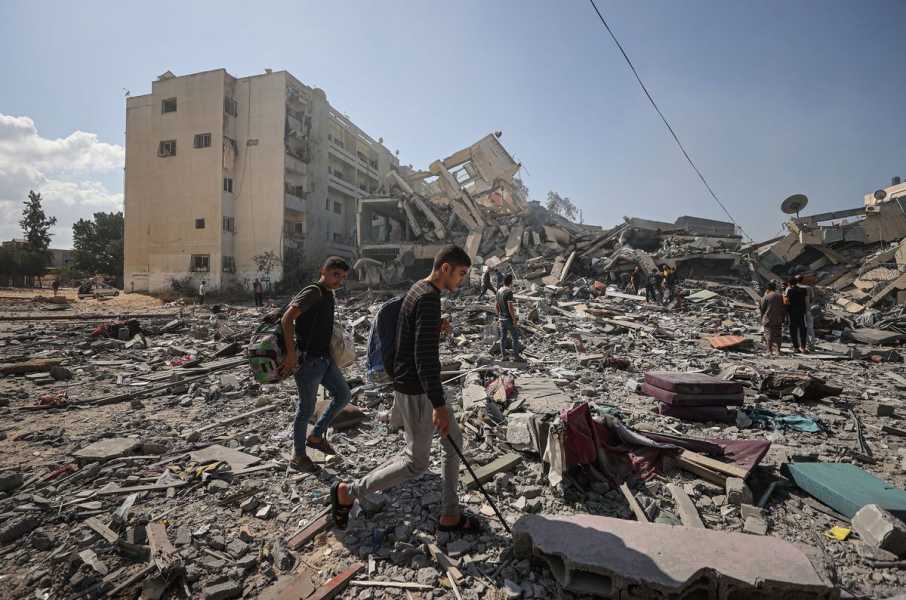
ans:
(221, 170)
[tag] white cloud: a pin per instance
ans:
(65, 171)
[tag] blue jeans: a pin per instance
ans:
(315, 371)
(507, 327)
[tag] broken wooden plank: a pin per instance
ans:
(893, 430)
(727, 469)
(702, 472)
(634, 505)
(487, 472)
(687, 511)
(34, 365)
(231, 420)
(102, 530)
(91, 559)
(399, 585)
(141, 488)
(314, 527)
(163, 553)
(295, 586)
(131, 580)
(337, 584)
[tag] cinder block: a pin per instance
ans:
(738, 492)
(879, 528)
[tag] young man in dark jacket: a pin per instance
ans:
(419, 398)
(308, 321)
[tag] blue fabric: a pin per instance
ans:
(766, 419)
(315, 371)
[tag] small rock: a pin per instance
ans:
(533, 491)
(756, 526)
(458, 548)
(217, 542)
(237, 548)
(60, 373)
(183, 536)
(511, 589)
(14, 529)
(249, 505)
(218, 485)
(247, 563)
(878, 528)
(222, 591)
(432, 498)
(41, 540)
(10, 480)
(426, 576)
(738, 492)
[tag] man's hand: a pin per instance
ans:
(289, 365)
(441, 420)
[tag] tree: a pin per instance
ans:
(560, 205)
(35, 224)
(99, 244)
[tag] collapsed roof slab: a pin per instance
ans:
(616, 558)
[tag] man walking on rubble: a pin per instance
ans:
(201, 291)
(419, 399)
(486, 282)
(308, 323)
(653, 292)
(796, 306)
(669, 277)
(258, 290)
(638, 280)
(773, 312)
(506, 315)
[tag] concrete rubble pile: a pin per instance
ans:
(145, 459)
(641, 449)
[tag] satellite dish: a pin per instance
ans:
(794, 204)
(880, 195)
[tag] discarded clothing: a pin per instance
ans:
(766, 419)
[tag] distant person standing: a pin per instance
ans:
(773, 312)
(796, 306)
(486, 283)
(506, 314)
(201, 291)
(56, 286)
(653, 291)
(258, 289)
(811, 305)
(638, 280)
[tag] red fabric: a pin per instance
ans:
(623, 451)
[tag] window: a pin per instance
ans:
(337, 237)
(230, 106)
(167, 148)
(199, 223)
(229, 264)
(200, 263)
(337, 208)
(228, 184)
(229, 224)
(202, 140)
(168, 105)
(299, 228)
(327, 204)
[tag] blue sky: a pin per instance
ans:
(771, 98)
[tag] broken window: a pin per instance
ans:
(230, 106)
(228, 184)
(229, 224)
(229, 264)
(168, 105)
(200, 263)
(167, 148)
(199, 223)
(202, 140)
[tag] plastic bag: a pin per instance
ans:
(342, 348)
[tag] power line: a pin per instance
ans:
(664, 119)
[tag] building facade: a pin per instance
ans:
(224, 171)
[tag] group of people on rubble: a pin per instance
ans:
(419, 399)
(794, 305)
(659, 285)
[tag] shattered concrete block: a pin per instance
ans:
(14, 529)
(9, 481)
(738, 492)
(222, 591)
(880, 529)
(107, 449)
(755, 525)
(617, 558)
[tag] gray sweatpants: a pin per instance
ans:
(416, 415)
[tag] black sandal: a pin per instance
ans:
(339, 512)
(467, 524)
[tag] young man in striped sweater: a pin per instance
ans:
(419, 398)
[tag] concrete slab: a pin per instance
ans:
(614, 558)
(108, 449)
(846, 488)
(215, 452)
